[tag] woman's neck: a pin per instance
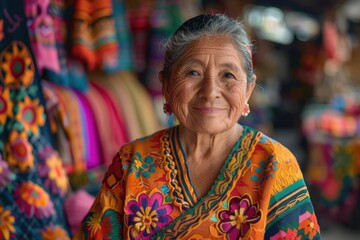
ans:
(207, 147)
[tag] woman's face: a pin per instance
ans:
(207, 89)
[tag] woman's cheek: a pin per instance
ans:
(180, 92)
(237, 95)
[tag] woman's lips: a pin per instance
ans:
(209, 109)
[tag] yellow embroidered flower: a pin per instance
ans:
(6, 106)
(6, 223)
(17, 65)
(57, 172)
(19, 151)
(31, 115)
(55, 232)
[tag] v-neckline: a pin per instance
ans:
(184, 177)
(229, 175)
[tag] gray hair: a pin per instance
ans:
(208, 25)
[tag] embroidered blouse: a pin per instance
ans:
(147, 193)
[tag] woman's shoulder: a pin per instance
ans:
(148, 140)
(143, 146)
(272, 146)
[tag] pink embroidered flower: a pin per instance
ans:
(148, 214)
(33, 200)
(5, 174)
(236, 221)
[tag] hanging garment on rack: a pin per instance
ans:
(138, 17)
(92, 157)
(33, 181)
(94, 34)
(119, 132)
(165, 18)
(47, 26)
(41, 27)
(115, 86)
(73, 129)
(142, 101)
(125, 56)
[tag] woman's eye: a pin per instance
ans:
(193, 73)
(229, 75)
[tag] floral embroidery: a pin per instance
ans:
(54, 232)
(236, 221)
(308, 222)
(290, 234)
(17, 65)
(266, 169)
(52, 169)
(148, 214)
(6, 176)
(106, 226)
(33, 200)
(31, 115)
(142, 167)
(6, 106)
(6, 223)
(19, 151)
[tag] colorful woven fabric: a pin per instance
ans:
(74, 129)
(94, 39)
(164, 20)
(333, 174)
(114, 84)
(33, 182)
(147, 193)
(41, 27)
(92, 139)
(142, 102)
(125, 60)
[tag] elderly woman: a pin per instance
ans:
(208, 177)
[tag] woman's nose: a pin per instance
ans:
(209, 88)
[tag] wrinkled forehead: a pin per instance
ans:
(221, 45)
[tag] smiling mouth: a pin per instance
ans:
(209, 109)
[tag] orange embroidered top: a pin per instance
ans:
(147, 193)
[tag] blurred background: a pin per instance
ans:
(89, 83)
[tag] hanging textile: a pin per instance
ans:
(164, 20)
(94, 34)
(33, 181)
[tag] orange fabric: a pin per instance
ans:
(147, 194)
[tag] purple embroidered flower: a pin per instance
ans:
(147, 215)
(235, 221)
(6, 176)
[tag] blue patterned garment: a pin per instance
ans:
(33, 183)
